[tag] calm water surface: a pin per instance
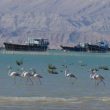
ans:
(56, 92)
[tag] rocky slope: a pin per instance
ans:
(61, 21)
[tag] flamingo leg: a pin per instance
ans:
(103, 82)
(100, 82)
(27, 79)
(30, 80)
(72, 80)
(95, 83)
(14, 80)
(39, 81)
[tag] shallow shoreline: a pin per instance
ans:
(26, 103)
(54, 53)
(24, 52)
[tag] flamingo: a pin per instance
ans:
(97, 77)
(36, 75)
(70, 75)
(28, 75)
(13, 74)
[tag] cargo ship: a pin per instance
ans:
(101, 46)
(30, 45)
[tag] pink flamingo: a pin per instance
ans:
(97, 77)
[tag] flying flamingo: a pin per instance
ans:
(97, 77)
(13, 74)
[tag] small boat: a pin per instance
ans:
(31, 45)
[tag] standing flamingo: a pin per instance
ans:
(27, 75)
(70, 75)
(97, 77)
(13, 74)
(36, 75)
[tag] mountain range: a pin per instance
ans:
(63, 22)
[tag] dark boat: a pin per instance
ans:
(78, 48)
(101, 46)
(31, 45)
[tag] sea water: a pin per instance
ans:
(56, 92)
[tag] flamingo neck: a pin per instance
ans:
(9, 71)
(93, 75)
(65, 72)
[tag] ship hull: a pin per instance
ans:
(78, 49)
(86, 48)
(19, 47)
